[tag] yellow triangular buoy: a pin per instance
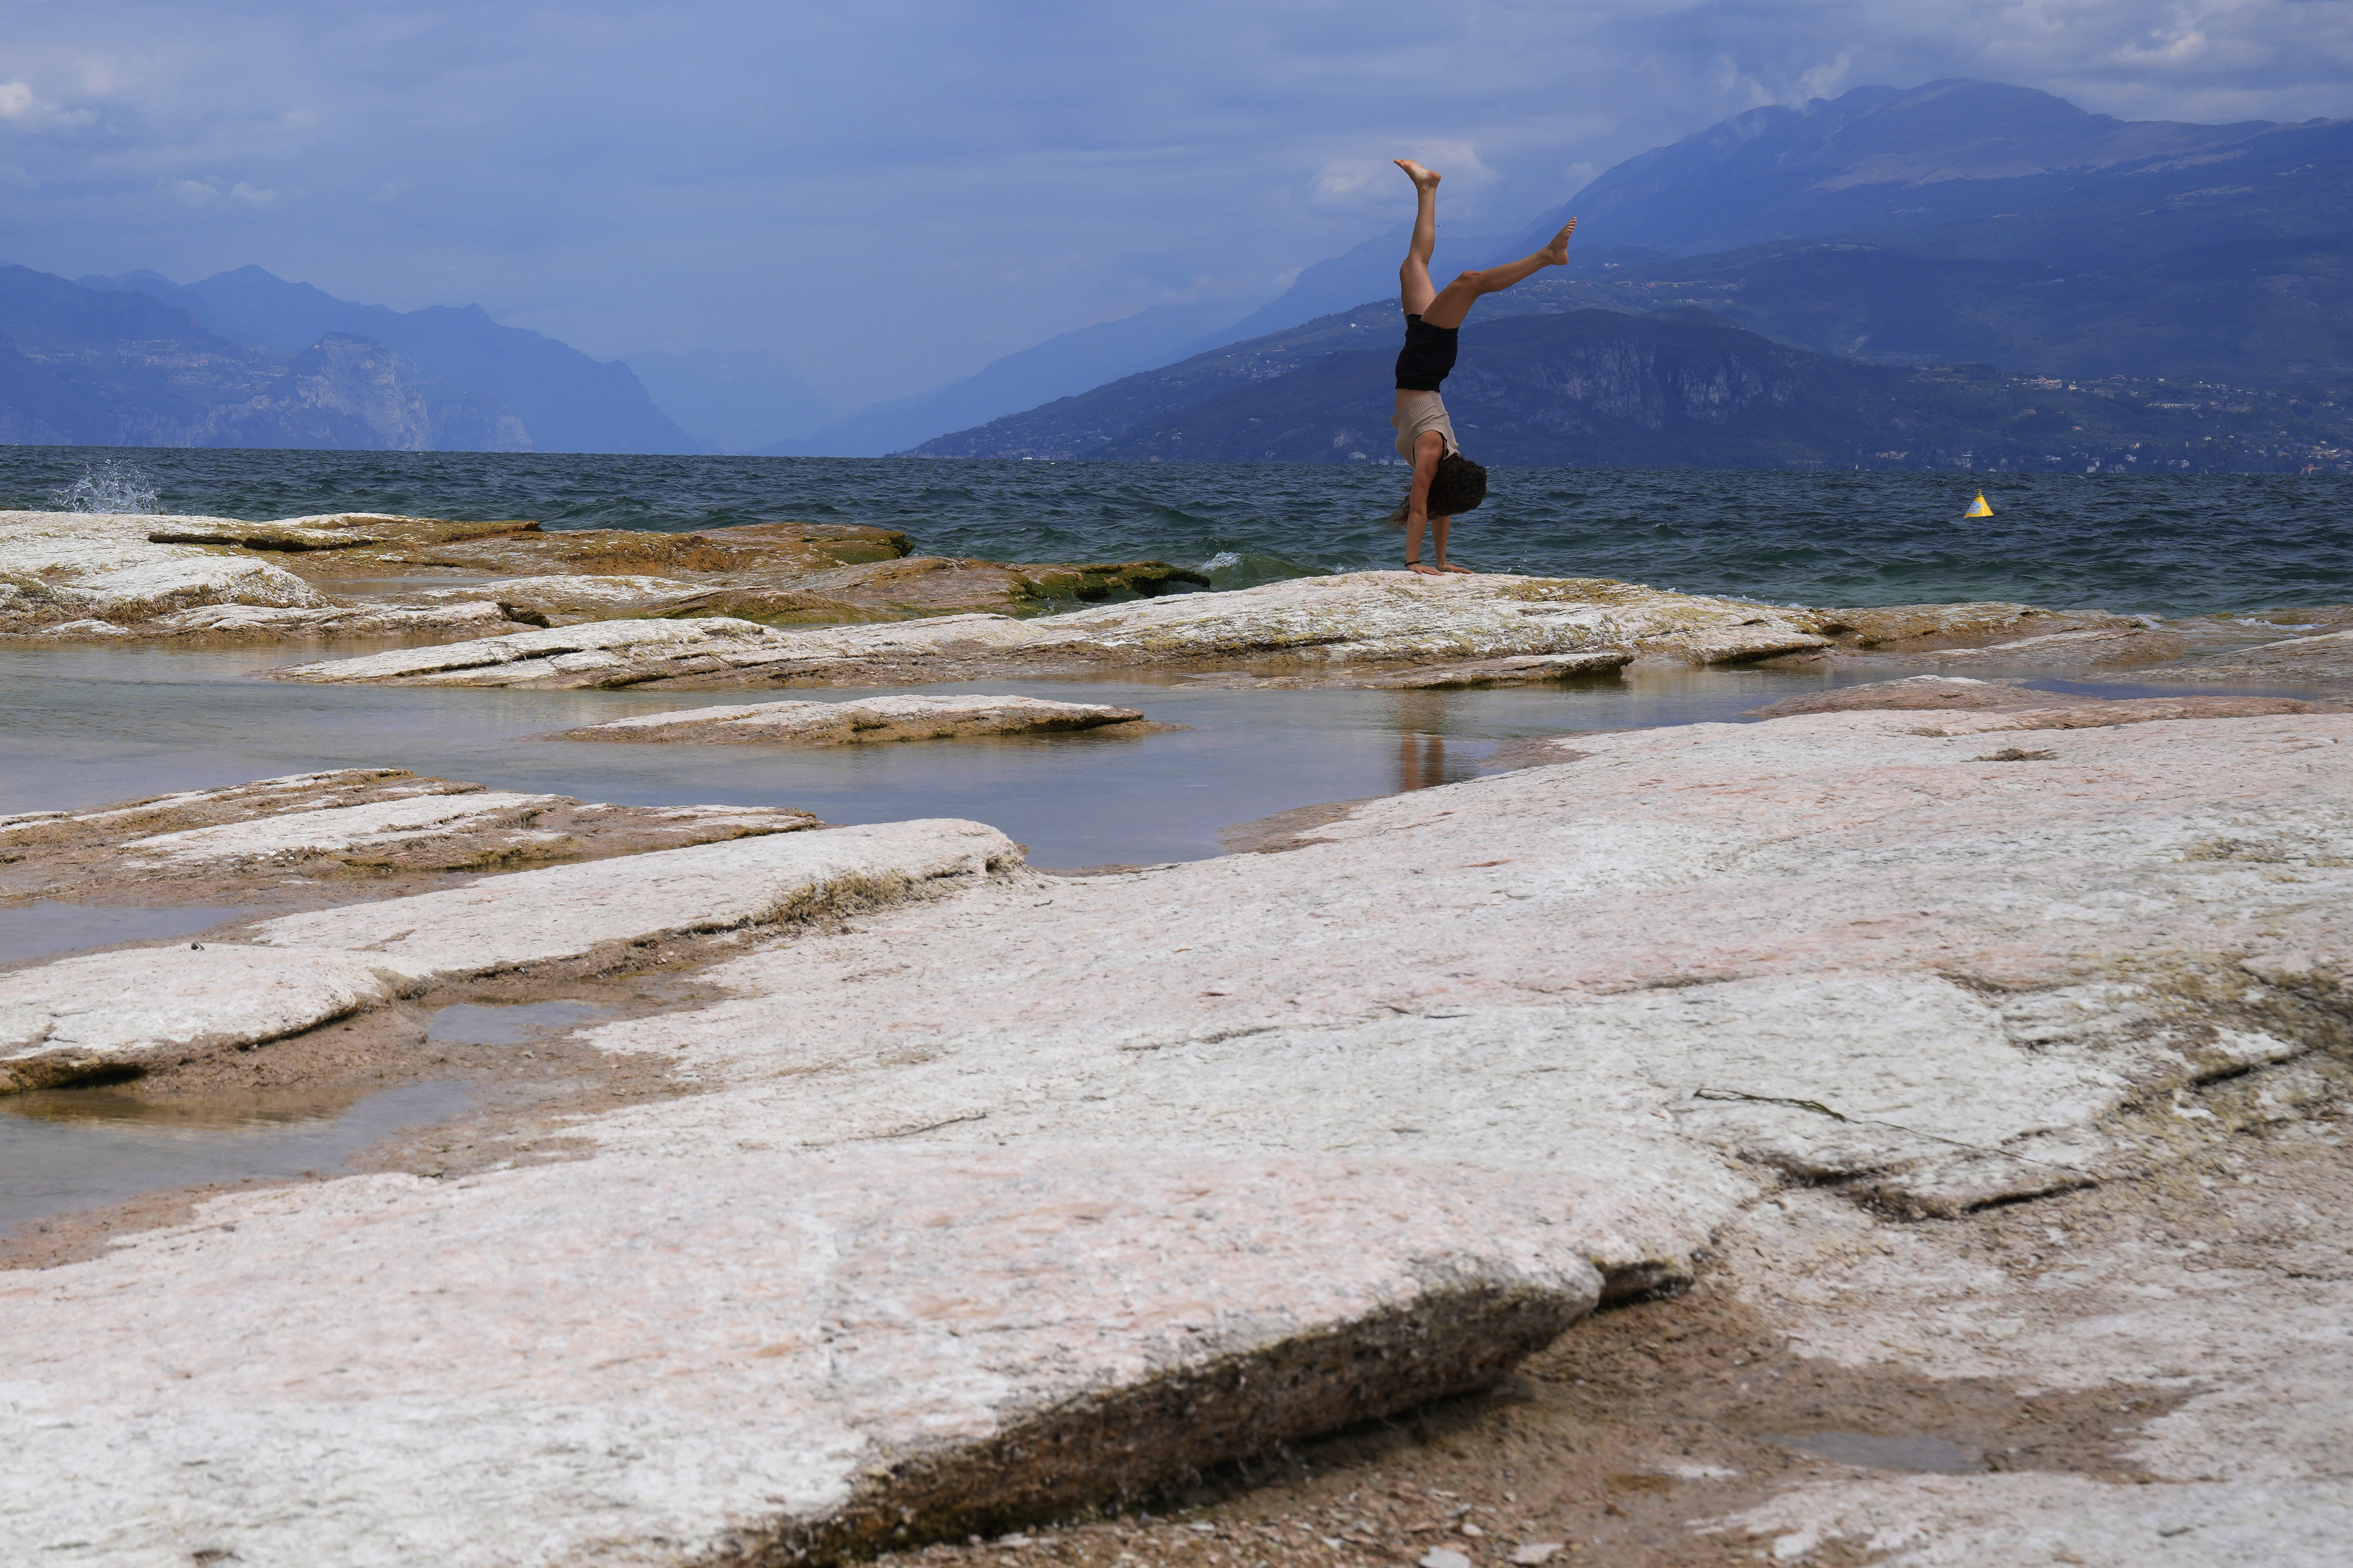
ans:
(1977, 508)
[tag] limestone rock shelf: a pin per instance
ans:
(812, 603)
(79, 1019)
(1375, 620)
(356, 829)
(1001, 1195)
(865, 722)
(81, 575)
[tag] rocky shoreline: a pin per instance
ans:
(769, 604)
(83, 576)
(952, 1197)
(1964, 1052)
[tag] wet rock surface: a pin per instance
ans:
(111, 1015)
(2024, 706)
(1528, 669)
(2324, 661)
(78, 575)
(993, 1206)
(129, 1012)
(1921, 628)
(759, 592)
(2234, 648)
(1386, 624)
(352, 832)
(864, 721)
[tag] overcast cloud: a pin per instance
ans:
(894, 193)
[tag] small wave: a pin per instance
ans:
(110, 486)
(1247, 568)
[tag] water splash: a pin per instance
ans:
(110, 486)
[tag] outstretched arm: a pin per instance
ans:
(1428, 449)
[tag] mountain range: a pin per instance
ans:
(557, 398)
(1957, 223)
(1067, 363)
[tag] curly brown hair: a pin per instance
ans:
(1458, 485)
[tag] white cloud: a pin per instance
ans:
(1825, 81)
(1352, 181)
(1376, 184)
(216, 194)
(20, 105)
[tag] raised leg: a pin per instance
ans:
(1415, 289)
(1453, 302)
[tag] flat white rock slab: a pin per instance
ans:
(339, 827)
(74, 1017)
(1829, 946)
(642, 1361)
(1603, 1005)
(864, 721)
(570, 911)
(65, 1020)
(1353, 617)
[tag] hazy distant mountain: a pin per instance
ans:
(1971, 168)
(567, 401)
(89, 367)
(1072, 426)
(353, 393)
(733, 400)
(1069, 363)
(1367, 272)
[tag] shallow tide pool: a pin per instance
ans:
(85, 726)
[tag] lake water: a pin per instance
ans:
(2158, 545)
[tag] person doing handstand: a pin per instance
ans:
(1445, 483)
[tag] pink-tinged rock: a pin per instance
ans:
(1589, 1010)
(2024, 708)
(864, 721)
(569, 912)
(629, 1361)
(110, 1011)
(1391, 619)
(2326, 660)
(1828, 945)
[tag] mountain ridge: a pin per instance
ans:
(87, 367)
(1683, 388)
(1913, 258)
(1068, 362)
(566, 400)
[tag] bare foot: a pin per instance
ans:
(1425, 570)
(1450, 566)
(1423, 179)
(1556, 253)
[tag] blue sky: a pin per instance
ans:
(891, 193)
